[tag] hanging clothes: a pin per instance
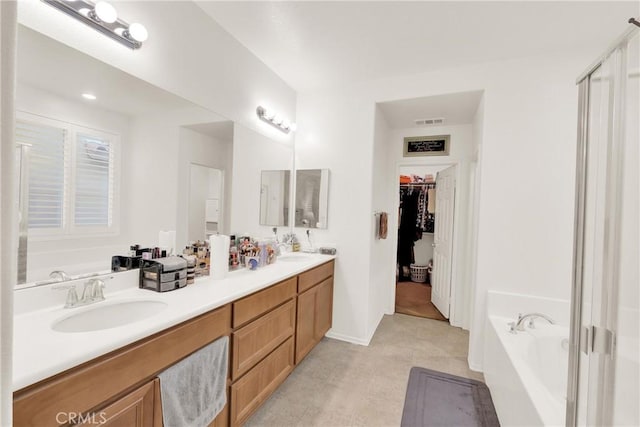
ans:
(426, 201)
(407, 229)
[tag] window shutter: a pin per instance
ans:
(46, 173)
(93, 181)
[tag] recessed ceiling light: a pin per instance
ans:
(88, 96)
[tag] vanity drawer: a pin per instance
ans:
(312, 277)
(250, 307)
(250, 391)
(260, 337)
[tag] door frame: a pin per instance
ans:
(393, 225)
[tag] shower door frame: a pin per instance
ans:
(581, 338)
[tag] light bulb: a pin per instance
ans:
(277, 119)
(89, 96)
(138, 32)
(286, 125)
(269, 114)
(106, 12)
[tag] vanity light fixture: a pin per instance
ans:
(103, 17)
(275, 119)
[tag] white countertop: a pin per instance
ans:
(40, 352)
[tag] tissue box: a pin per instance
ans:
(163, 274)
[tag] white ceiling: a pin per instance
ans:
(315, 44)
(455, 108)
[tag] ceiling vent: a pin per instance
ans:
(430, 122)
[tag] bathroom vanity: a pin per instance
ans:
(273, 318)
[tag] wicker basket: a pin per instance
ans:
(418, 273)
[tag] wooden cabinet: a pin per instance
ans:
(314, 276)
(254, 341)
(136, 409)
(262, 346)
(315, 307)
(256, 304)
(314, 316)
(88, 386)
(250, 391)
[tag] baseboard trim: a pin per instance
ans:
(347, 338)
(474, 366)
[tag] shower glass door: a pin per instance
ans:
(603, 386)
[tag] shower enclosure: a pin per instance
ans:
(604, 370)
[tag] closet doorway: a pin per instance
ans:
(425, 240)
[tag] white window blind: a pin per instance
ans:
(93, 181)
(71, 177)
(46, 173)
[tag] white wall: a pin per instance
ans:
(197, 198)
(335, 131)
(187, 53)
(253, 153)
(156, 173)
(382, 180)
(211, 152)
(529, 128)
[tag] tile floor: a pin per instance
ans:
(341, 384)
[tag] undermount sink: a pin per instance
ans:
(294, 258)
(108, 315)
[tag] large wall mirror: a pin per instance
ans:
(108, 161)
(312, 198)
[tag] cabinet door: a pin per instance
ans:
(305, 328)
(136, 409)
(323, 308)
(250, 391)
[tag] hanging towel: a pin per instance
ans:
(431, 200)
(194, 389)
(382, 228)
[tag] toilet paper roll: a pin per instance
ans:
(167, 240)
(219, 250)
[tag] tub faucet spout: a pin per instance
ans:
(531, 317)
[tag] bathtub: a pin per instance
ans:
(527, 372)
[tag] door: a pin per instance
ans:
(443, 240)
(603, 387)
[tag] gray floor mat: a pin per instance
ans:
(438, 399)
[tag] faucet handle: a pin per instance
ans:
(97, 289)
(72, 294)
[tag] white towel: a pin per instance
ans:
(194, 390)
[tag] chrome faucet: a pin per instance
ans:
(93, 292)
(59, 275)
(518, 325)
